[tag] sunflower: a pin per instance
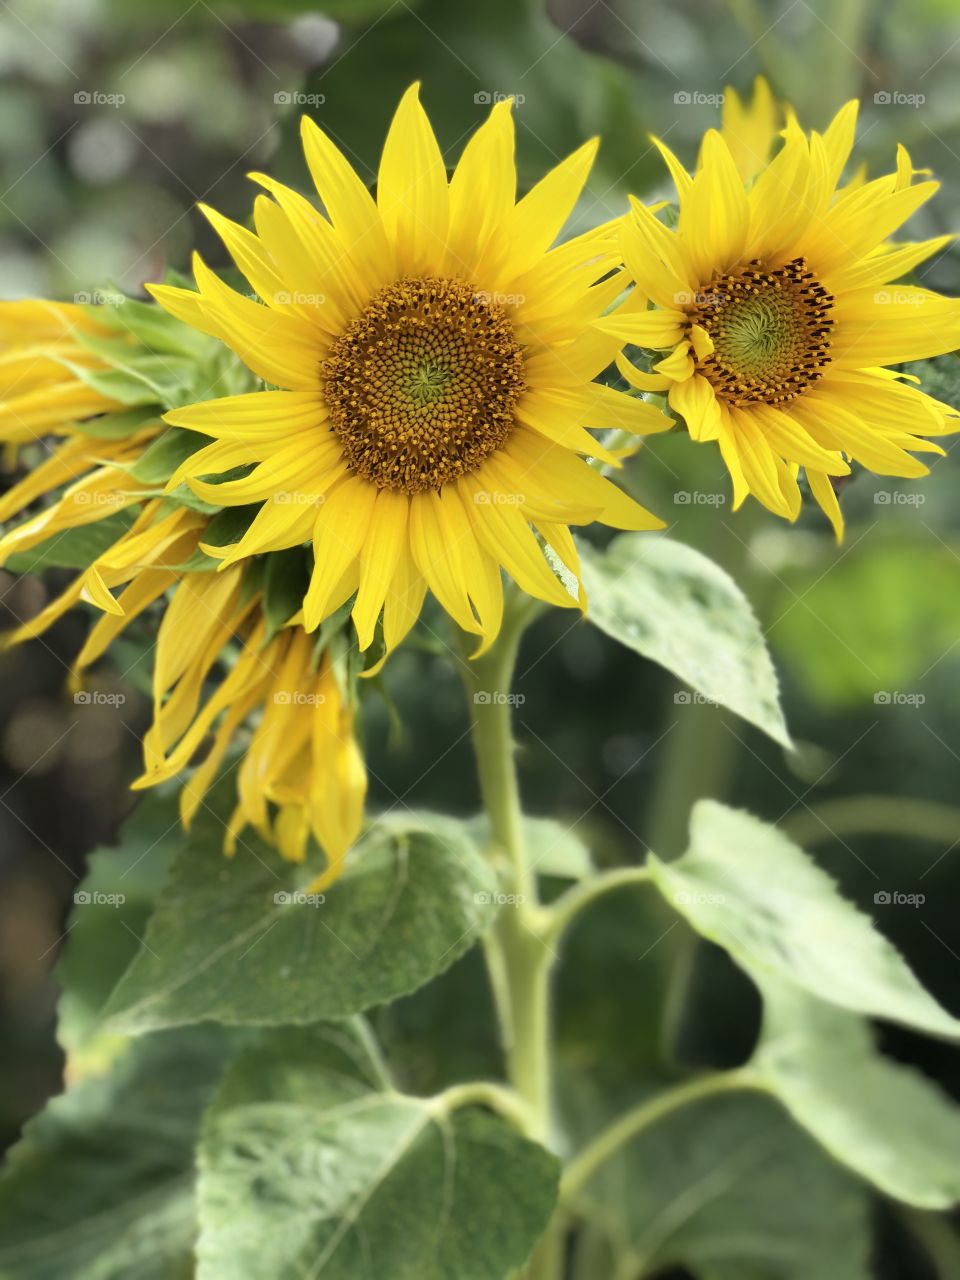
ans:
(301, 773)
(774, 314)
(428, 360)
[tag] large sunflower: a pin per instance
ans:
(774, 312)
(429, 362)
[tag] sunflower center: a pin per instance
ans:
(422, 386)
(770, 331)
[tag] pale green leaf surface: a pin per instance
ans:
(745, 886)
(882, 1119)
(312, 1165)
(673, 605)
(230, 940)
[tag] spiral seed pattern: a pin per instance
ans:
(770, 332)
(422, 386)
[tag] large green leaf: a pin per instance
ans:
(100, 1187)
(235, 940)
(110, 912)
(882, 1119)
(747, 887)
(311, 1164)
(676, 607)
(728, 1188)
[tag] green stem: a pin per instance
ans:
(630, 1125)
(569, 905)
(519, 961)
(518, 958)
(487, 1093)
(875, 815)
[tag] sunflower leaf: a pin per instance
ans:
(237, 941)
(287, 580)
(117, 426)
(676, 607)
(153, 327)
(728, 1188)
(100, 1187)
(885, 1121)
(745, 886)
(313, 1164)
(164, 455)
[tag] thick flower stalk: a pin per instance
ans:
(774, 311)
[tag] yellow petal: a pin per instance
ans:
(486, 164)
(352, 209)
(382, 549)
(412, 188)
(657, 329)
(694, 400)
(340, 533)
(823, 491)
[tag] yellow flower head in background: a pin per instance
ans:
(750, 131)
(774, 312)
(429, 361)
(302, 772)
(39, 391)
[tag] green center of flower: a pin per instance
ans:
(422, 386)
(770, 332)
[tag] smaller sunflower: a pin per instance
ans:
(774, 313)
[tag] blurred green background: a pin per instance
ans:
(116, 119)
